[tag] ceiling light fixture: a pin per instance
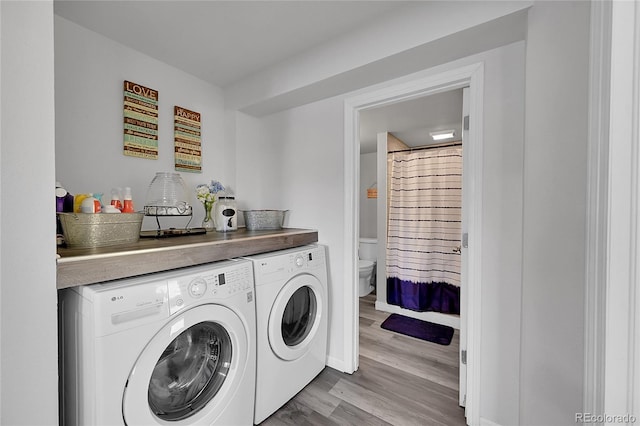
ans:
(442, 135)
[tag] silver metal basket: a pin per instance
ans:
(258, 220)
(87, 230)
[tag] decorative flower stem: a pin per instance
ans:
(207, 223)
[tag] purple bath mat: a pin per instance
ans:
(436, 333)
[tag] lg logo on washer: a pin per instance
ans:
(117, 298)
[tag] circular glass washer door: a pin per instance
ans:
(295, 316)
(190, 369)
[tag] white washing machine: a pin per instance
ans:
(291, 315)
(174, 348)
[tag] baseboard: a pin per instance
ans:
(485, 422)
(435, 317)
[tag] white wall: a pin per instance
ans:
(258, 176)
(309, 170)
(501, 254)
(28, 298)
(554, 214)
(368, 206)
(90, 71)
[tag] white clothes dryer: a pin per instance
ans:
(174, 348)
(291, 315)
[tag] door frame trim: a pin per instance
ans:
(597, 207)
(473, 77)
(620, 345)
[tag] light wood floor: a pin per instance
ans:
(400, 381)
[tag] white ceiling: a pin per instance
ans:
(224, 42)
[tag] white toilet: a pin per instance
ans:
(367, 252)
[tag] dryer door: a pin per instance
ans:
(295, 316)
(189, 371)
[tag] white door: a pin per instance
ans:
(295, 317)
(464, 266)
(189, 371)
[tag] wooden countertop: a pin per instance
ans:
(88, 266)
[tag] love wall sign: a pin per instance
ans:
(140, 121)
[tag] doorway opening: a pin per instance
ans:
(470, 77)
(416, 219)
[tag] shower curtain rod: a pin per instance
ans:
(433, 146)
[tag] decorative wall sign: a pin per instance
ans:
(140, 121)
(188, 147)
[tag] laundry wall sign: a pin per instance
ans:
(187, 134)
(140, 121)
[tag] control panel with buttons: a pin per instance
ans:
(299, 261)
(218, 283)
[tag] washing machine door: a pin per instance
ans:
(189, 371)
(295, 316)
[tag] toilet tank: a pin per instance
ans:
(368, 249)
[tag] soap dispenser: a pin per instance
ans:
(128, 201)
